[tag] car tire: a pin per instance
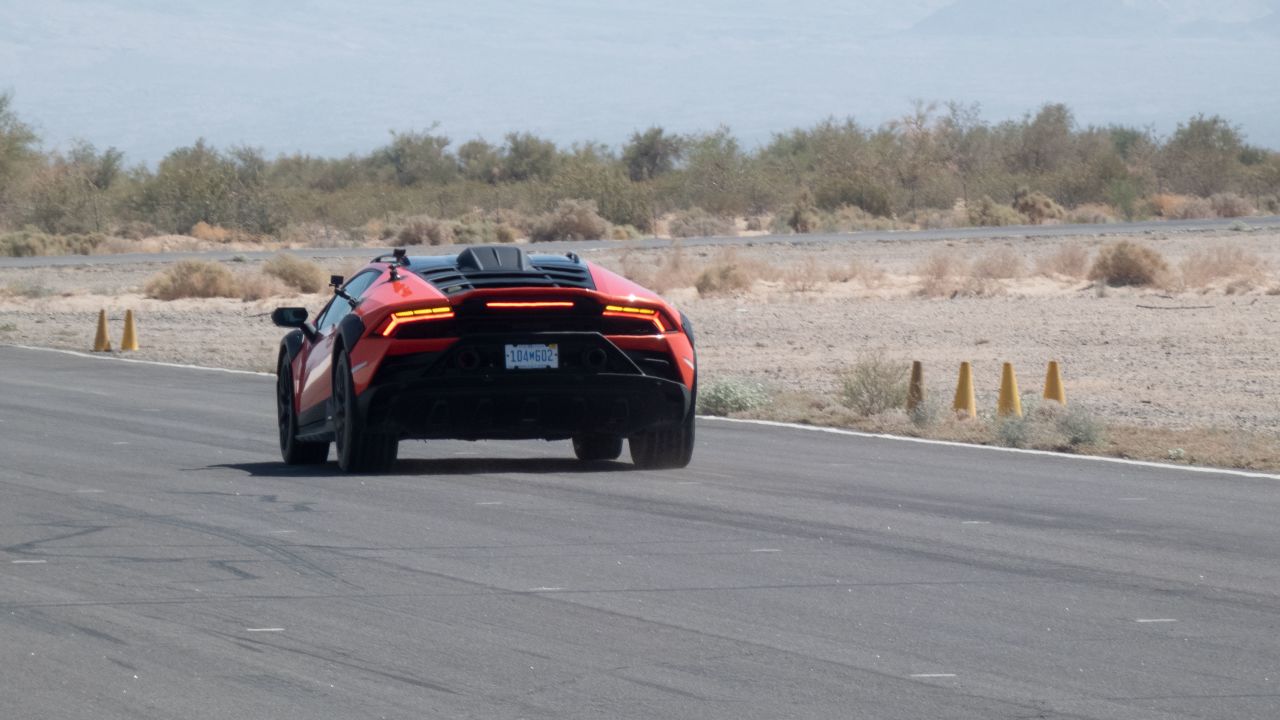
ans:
(358, 450)
(293, 450)
(665, 448)
(595, 447)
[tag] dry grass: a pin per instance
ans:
(696, 222)
(802, 277)
(1092, 214)
(672, 270)
(295, 272)
(426, 230)
(869, 275)
(1047, 428)
(1037, 207)
(727, 274)
(211, 233)
(940, 273)
(1203, 268)
(193, 279)
(1069, 260)
(571, 220)
(1002, 263)
(1127, 263)
(1230, 205)
(260, 286)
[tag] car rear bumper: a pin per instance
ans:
(443, 395)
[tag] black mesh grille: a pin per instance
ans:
(451, 280)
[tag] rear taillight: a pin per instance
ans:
(636, 313)
(408, 317)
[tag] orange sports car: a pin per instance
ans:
(493, 343)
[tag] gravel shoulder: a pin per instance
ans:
(1167, 359)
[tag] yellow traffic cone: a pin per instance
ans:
(915, 389)
(1010, 402)
(1053, 389)
(101, 341)
(130, 339)
(965, 402)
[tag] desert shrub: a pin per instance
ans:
(295, 272)
(324, 235)
(1192, 208)
(726, 276)
(801, 218)
(696, 222)
(1014, 432)
(933, 218)
(571, 220)
(28, 289)
(842, 191)
(260, 286)
(136, 230)
(1128, 263)
(1229, 205)
(998, 264)
(855, 269)
(873, 385)
(424, 230)
(1079, 427)
(504, 233)
(30, 242)
(1037, 207)
(802, 277)
(1092, 214)
(192, 278)
(854, 219)
(988, 213)
(624, 232)
(725, 396)
(755, 223)
(938, 273)
(210, 233)
(1205, 266)
(1070, 259)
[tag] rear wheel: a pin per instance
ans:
(595, 447)
(293, 450)
(358, 450)
(666, 448)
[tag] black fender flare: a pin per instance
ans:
(291, 344)
(350, 329)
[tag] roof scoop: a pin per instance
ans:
(494, 258)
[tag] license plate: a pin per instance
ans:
(533, 357)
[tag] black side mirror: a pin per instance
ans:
(291, 317)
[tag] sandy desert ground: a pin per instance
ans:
(1182, 361)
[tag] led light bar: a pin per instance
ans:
(527, 305)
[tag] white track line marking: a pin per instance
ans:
(767, 423)
(766, 550)
(264, 629)
(933, 675)
(29, 562)
(993, 448)
(1155, 620)
(142, 362)
(494, 502)
(974, 522)
(544, 589)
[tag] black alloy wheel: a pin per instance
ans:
(293, 450)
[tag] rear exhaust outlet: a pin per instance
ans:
(468, 360)
(595, 359)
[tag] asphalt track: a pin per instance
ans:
(1017, 231)
(156, 561)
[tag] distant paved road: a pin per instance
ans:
(951, 234)
(156, 561)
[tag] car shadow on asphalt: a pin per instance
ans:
(441, 466)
